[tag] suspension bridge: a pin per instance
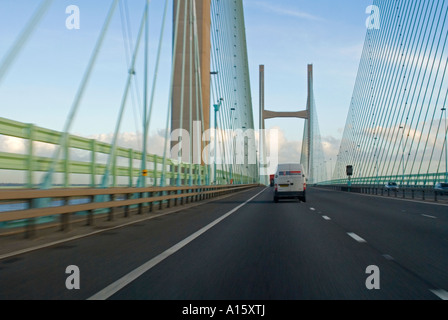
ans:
(180, 185)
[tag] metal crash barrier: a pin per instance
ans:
(105, 201)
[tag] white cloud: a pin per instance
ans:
(12, 145)
(288, 150)
(287, 12)
(353, 51)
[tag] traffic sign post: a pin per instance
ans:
(349, 174)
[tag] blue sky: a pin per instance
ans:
(284, 35)
(288, 35)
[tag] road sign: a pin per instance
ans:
(349, 171)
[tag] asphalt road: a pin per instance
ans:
(232, 249)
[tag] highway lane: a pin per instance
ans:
(414, 234)
(104, 258)
(262, 251)
(279, 251)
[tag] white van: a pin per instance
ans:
(290, 182)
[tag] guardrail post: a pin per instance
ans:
(161, 201)
(140, 205)
(435, 197)
(30, 229)
(65, 218)
(90, 213)
(127, 208)
(413, 194)
(168, 205)
(423, 196)
(404, 194)
(112, 209)
(175, 199)
(151, 204)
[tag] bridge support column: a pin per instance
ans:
(186, 90)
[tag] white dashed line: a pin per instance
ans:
(312, 209)
(442, 294)
(427, 216)
(388, 257)
(326, 218)
(356, 237)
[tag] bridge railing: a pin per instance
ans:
(125, 169)
(104, 200)
(424, 193)
(407, 180)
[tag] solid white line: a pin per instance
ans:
(57, 242)
(442, 294)
(356, 237)
(326, 218)
(133, 275)
(427, 216)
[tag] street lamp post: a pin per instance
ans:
(217, 107)
(376, 158)
(402, 157)
(446, 150)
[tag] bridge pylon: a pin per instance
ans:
(309, 144)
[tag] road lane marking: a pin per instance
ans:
(326, 218)
(388, 257)
(135, 274)
(428, 216)
(312, 209)
(356, 237)
(120, 226)
(442, 294)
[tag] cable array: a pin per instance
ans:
(396, 127)
(231, 91)
(312, 155)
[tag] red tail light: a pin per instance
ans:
(304, 186)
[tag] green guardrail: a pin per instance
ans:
(31, 164)
(421, 180)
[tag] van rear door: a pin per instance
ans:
(296, 180)
(283, 181)
(290, 178)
